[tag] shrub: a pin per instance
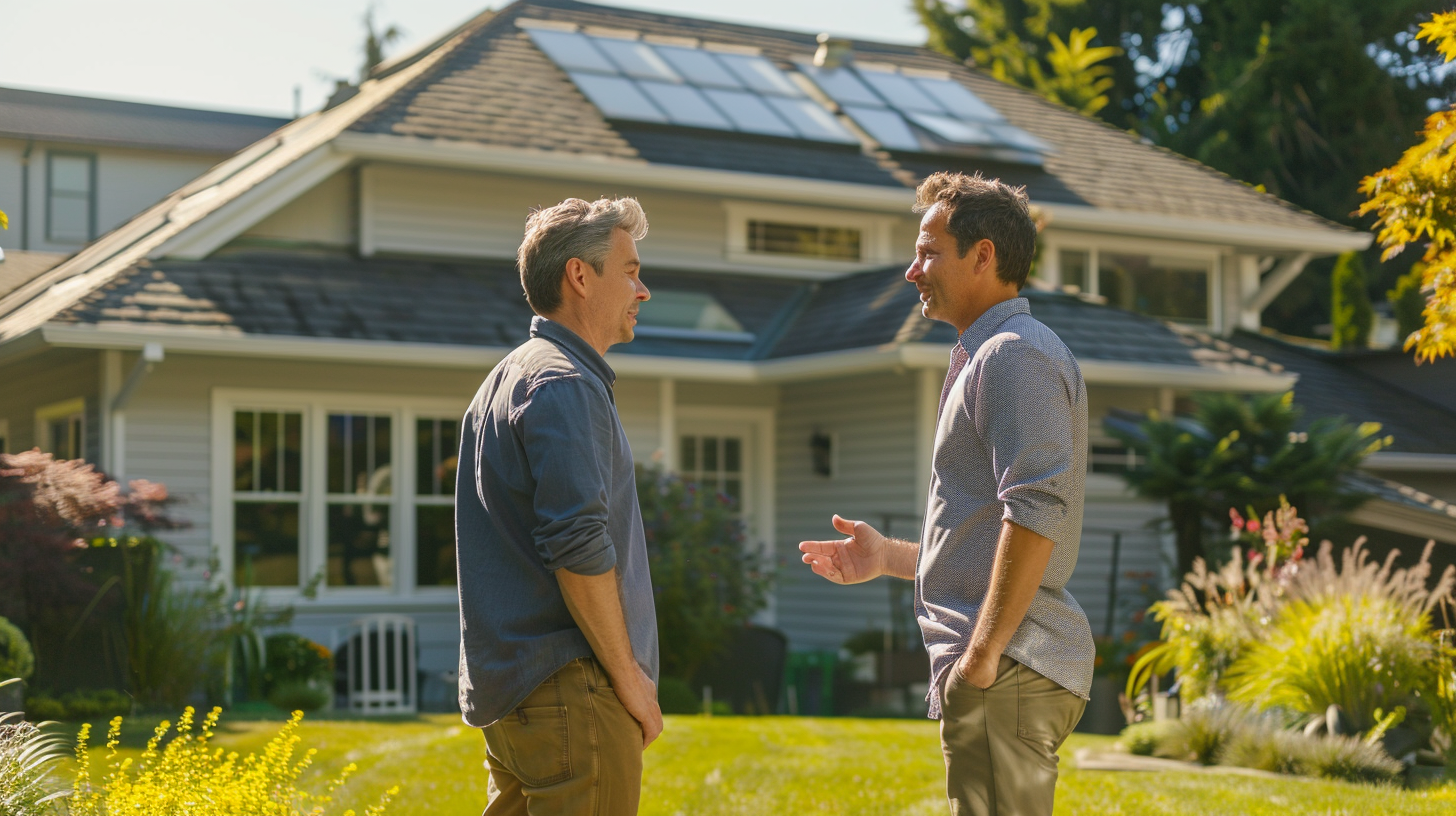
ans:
(16, 658)
(294, 658)
(27, 758)
(79, 705)
(1350, 759)
(1358, 637)
(189, 776)
(676, 696)
(706, 577)
(300, 695)
(1146, 737)
(1204, 733)
(1269, 749)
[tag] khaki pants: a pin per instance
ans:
(569, 749)
(1001, 743)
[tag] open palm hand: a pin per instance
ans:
(852, 560)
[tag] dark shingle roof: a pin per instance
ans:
(1329, 386)
(497, 88)
(59, 117)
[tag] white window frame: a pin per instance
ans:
(874, 230)
(1053, 244)
(66, 409)
(316, 406)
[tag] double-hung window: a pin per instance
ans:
(70, 197)
(356, 493)
(1170, 284)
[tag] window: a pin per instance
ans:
(61, 429)
(1074, 264)
(355, 493)
(689, 315)
(437, 457)
(714, 463)
(70, 197)
(1167, 288)
(267, 496)
(804, 240)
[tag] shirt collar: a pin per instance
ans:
(986, 325)
(572, 343)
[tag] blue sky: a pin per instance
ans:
(250, 56)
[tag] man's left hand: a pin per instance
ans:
(979, 671)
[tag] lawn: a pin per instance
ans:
(779, 765)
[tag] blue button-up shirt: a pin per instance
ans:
(545, 483)
(1010, 445)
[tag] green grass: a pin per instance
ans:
(767, 765)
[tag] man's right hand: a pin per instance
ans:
(853, 560)
(639, 697)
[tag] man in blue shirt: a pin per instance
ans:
(558, 633)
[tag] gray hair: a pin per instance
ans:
(572, 229)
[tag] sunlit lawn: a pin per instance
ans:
(780, 765)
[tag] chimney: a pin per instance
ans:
(833, 52)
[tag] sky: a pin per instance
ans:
(250, 56)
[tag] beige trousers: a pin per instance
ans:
(569, 749)
(1001, 743)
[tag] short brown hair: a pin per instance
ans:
(572, 229)
(981, 208)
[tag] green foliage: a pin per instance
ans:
(706, 576)
(16, 658)
(95, 704)
(1238, 452)
(1408, 302)
(28, 759)
(1351, 760)
(1351, 312)
(167, 631)
(1414, 201)
(293, 657)
(676, 696)
(1357, 635)
(1144, 738)
(300, 695)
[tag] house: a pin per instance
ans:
(289, 340)
(73, 167)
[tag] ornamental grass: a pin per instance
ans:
(186, 774)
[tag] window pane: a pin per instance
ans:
(267, 451)
(806, 240)
(291, 461)
(359, 454)
(437, 455)
(1074, 268)
(710, 454)
(435, 545)
(65, 437)
(688, 457)
(267, 443)
(358, 537)
(733, 489)
(1154, 287)
(70, 218)
(265, 538)
(732, 454)
(71, 174)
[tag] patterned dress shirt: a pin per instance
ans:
(1010, 445)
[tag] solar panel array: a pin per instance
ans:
(720, 90)
(650, 82)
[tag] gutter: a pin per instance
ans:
(793, 369)
(1411, 462)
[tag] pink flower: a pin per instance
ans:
(1253, 525)
(1255, 557)
(1236, 519)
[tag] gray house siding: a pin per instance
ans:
(47, 378)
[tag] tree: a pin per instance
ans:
(375, 43)
(1414, 200)
(1243, 453)
(1351, 312)
(1407, 302)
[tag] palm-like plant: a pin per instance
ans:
(27, 757)
(1244, 453)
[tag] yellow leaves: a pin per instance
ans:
(4, 221)
(189, 776)
(1441, 31)
(1078, 77)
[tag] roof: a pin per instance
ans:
(499, 89)
(20, 267)
(86, 120)
(1330, 386)
(1433, 382)
(480, 304)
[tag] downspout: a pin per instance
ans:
(152, 354)
(25, 194)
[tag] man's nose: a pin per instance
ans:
(914, 271)
(642, 293)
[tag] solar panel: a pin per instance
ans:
(760, 75)
(955, 130)
(749, 113)
(958, 101)
(618, 97)
(573, 52)
(637, 60)
(685, 105)
(698, 67)
(811, 120)
(886, 127)
(900, 92)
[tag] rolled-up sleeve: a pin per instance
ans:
(1024, 410)
(567, 430)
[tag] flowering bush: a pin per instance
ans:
(189, 776)
(28, 756)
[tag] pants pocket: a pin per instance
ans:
(1045, 712)
(538, 741)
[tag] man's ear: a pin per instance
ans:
(985, 256)
(575, 279)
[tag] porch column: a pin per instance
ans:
(928, 382)
(667, 423)
(113, 423)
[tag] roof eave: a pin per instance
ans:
(1314, 239)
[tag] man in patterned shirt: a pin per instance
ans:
(1010, 649)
